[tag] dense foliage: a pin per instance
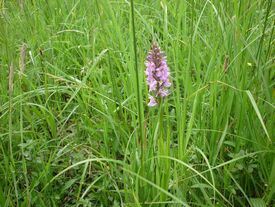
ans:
(75, 127)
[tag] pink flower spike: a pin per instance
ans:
(157, 74)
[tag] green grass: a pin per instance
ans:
(75, 128)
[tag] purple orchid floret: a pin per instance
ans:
(157, 72)
(152, 101)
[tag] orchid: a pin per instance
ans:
(157, 72)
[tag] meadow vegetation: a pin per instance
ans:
(75, 127)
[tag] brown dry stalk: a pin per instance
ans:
(22, 60)
(225, 63)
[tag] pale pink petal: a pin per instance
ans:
(152, 102)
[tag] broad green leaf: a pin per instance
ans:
(257, 202)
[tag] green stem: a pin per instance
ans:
(139, 101)
(12, 166)
(24, 165)
(161, 150)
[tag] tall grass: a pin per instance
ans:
(75, 128)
